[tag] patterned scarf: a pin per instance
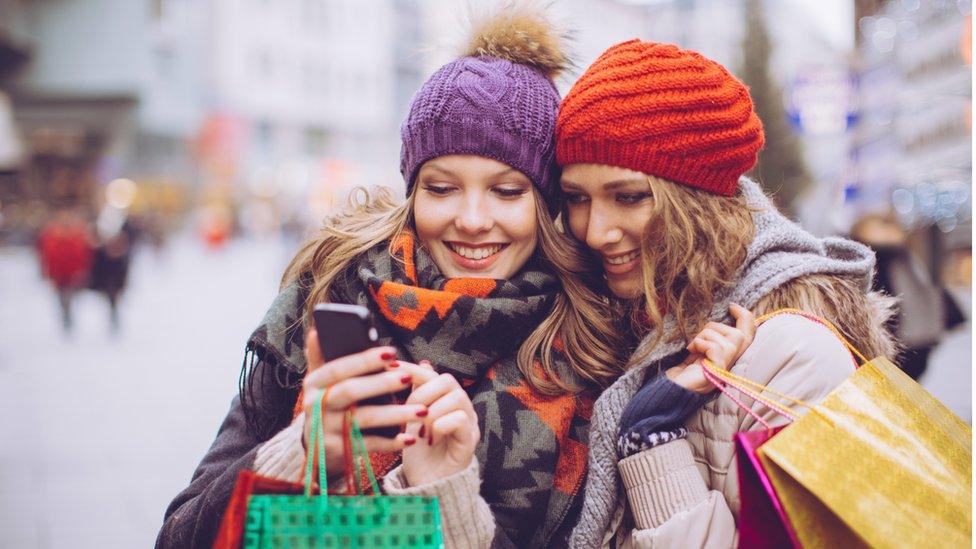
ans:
(533, 448)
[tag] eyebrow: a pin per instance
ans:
(610, 186)
(448, 172)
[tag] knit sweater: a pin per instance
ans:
(780, 252)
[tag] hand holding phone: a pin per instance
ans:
(345, 330)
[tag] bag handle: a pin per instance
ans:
(355, 448)
(357, 438)
(722, 378)
(775, 406)
(755, 391)
(316, 448)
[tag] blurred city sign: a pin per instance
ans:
(822, 101)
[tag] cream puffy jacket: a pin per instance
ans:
(685, 493)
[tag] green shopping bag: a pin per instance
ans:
(314, 521)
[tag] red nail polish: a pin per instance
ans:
(393, 364)
(431, 439)
(406, 379)
(423, 428)
(410, 441)
(422, 413)
(389, 355)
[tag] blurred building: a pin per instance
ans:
(225, 101)
(273, 107)
(111, 89)
(14, 53)
(913, 146)
(300, 101)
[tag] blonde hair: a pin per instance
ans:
(692, 248)
(579, 326)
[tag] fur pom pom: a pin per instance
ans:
(521, 33)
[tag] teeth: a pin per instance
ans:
(623, 259)
(475, 253)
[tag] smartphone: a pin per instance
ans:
(344, 330)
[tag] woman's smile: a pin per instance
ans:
(475, 257)
(619, 264)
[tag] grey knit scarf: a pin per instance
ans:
(780, 252)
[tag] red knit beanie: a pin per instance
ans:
(664, 111)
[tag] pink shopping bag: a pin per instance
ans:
(763, 523)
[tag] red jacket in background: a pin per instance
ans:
(66, 253)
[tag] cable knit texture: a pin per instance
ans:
(780, 252)
(466, 519)
(664, 111)
(485, 106)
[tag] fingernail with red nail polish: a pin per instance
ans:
(389, 355)
(423, 428)
(410, 441)
(406, 379)
(393, 364)
(422, 413)
(431, 439)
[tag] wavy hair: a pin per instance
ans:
(693, 246)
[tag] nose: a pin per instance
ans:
(602, 229)
(474, 216)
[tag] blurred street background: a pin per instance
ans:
(160, 161)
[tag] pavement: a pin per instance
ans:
(98, 432)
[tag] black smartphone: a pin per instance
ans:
(344, 330)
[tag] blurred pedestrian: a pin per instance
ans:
(110, 267)
(64, 246)
(925, 310)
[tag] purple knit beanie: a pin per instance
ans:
(499, 102)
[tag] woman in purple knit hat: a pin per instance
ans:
(485, 332)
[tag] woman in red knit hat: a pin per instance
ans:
(654, 141)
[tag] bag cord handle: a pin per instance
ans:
(356, 448)
(722, 379)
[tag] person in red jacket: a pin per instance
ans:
(65, 250)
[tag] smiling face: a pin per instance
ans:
(476, 216)
(607, 209)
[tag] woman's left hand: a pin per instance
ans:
(447, 436)
(720, 344)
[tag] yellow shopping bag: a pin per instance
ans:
(879, 462)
